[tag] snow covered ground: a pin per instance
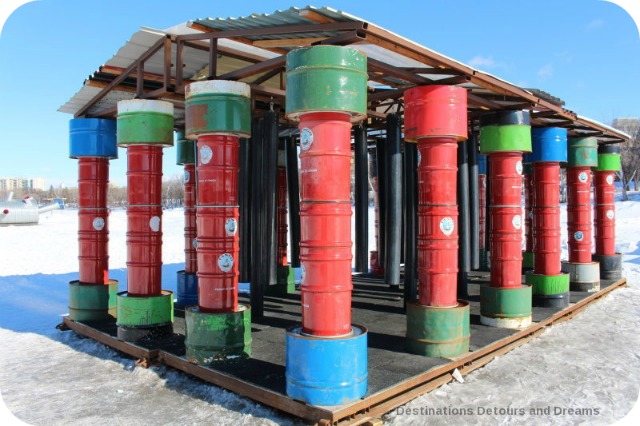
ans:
(590, 365)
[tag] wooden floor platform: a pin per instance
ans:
(395, 376)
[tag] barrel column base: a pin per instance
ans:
(286, 283)
(326, 370)
(144, 317)
(214, 337)
(438, 332)
(527, 260)
(187, 289)
(583, 276)
(92, 302)
(610, 266)
(505, 307)
(549, 291)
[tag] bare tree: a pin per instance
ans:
(630, 154)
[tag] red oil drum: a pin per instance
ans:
(93, 220)
(282, 216)
(437, 222)
(505, 178)
(546, 217)
(144, 220)
(190, 233)
(528, 212)
(579, 214)
(218, 243)
(482, 205)
(436, 111)
(325, 223)
(605, 221)
(217, 170)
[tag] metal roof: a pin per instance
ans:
(252, 49)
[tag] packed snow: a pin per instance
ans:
(583, 371)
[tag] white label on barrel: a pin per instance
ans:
(154, 223)
(98, 224)
(419, 158)
(446, 226)
(610, 214)
(578, 235)
(194, 243)
(306, 138)
(206, 154)
(484, 183)
(531, 214)
(582, 177)
(610, 179)
(225, 262)
(187, 177)
(517, 221)
(303, 273)
(231, 227)
(519, 167)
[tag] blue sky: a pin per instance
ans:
(586, 52)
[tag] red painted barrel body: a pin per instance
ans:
(546, 218)
(325, 223)
(217, 223)
(93, 220)
(579, 214)
(482, 214)
(528, 212)
(505, 246)
(144, 220)
(437, 222)
(190, 233)
(605, 212)
(282, 217)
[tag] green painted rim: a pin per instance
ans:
(582, 152)
(145, 128)
(509, 138)
(185, 152)
(438, 332)
(505, 302)
(528, 259)
(144, 311)
(221, 113)
(213, 337)
(326, 78)
(608, 162)
(546, 285)
(92, 302)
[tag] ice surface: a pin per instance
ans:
(50, 377)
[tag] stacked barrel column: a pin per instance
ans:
(584, 274)
(527, 255)
(437, 323)
(187, 285)
(605, 213)
(145, 310)
(217, 114)
(93, 142)
(326, 357)
(550, 286)
(482, 214)
(506, 302)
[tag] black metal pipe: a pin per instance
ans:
(463, 221)
(361, 189)
(382, 199)
(257, 290)
(270, 177)
(394, 202)
(410, 221)
(293, 191)
(244, 202)
(474, 202)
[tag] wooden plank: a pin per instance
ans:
(314, 16)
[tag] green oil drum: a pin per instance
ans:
(145, 122)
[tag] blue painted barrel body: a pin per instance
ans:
(482, 164)
(549, 144)
(326, 371)
(92, 137)
(187, 289)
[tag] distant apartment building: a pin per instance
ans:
(29, 184)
